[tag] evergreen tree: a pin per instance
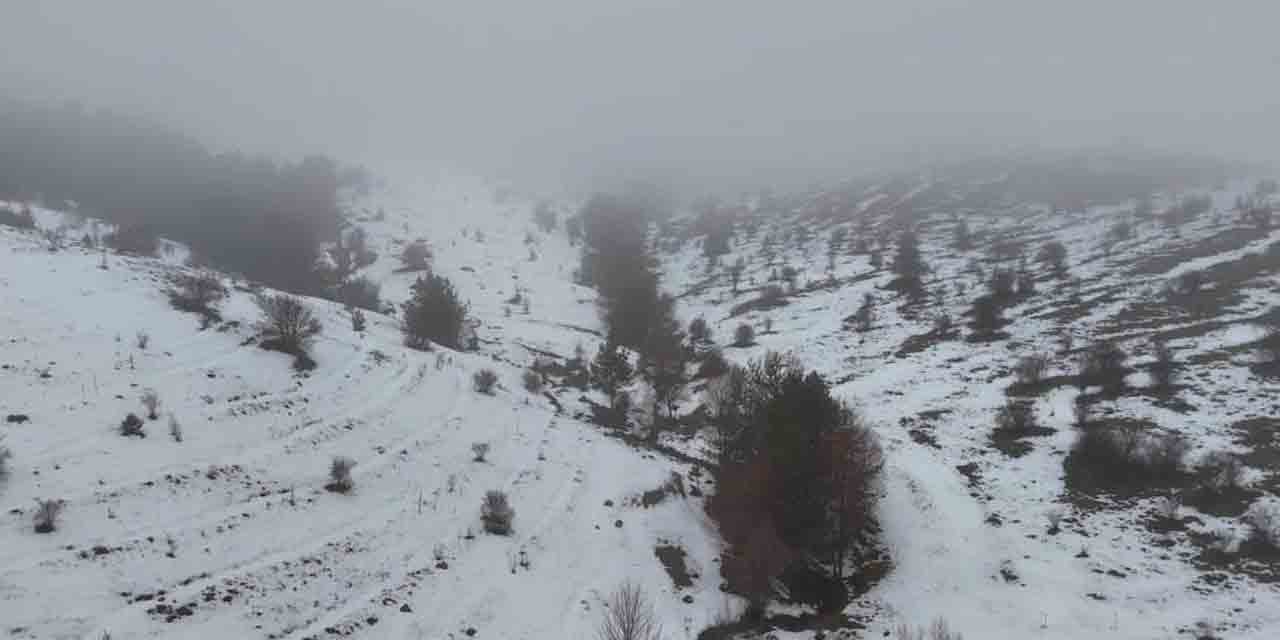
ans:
(433, 313)
(611, 371)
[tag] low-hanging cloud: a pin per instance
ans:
(710, 91)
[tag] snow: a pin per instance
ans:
(263, 550)
(242, 496)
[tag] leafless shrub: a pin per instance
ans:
(480, 449)
(1219, 471)
(1031, 370)
(1165, 454)
(1270, 343)
(1167, 506)
(629, 616)
(1264, 525)
(1164, 368)
(132, 426)
(1054, 516)
(46, 515)
(142, 339)
(1016, 418)
(5, 454)
(340, 480)
(175, 428)
(151, 402)
(416, 256)
(197, 292)
(287, 322)
(939, 630)
(1102, 364)
(484, 381)
(358, 322)
(533, 381)
(943, 325)
(496, 513)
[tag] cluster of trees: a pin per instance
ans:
(250, 215)
(797, 472)
(638, 316)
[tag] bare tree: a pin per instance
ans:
(629, 616)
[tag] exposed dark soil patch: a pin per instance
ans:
(922, 342)
(1013, 443)
(672, 559)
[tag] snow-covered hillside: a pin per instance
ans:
(967, 523)
(230, 533)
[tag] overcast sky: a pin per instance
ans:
(705, 89)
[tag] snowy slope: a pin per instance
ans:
(230, 533)
(976, 552)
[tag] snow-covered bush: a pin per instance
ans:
(199, 292)
(1219, 471)
(151, 402)
(46, 515)
(1102, 364)
(1017, 419)
(358, 322)
(142, 339)
(1264, 526)
(484, 381)
(532, 380)
(340, 480)
(496, 513)
(699, 331)
(132, 426)
(480, 449)
(744, 335)
(416, 256)
(361, 293)
(1032, 369)
(5, 454)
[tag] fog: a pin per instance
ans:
(710, 92)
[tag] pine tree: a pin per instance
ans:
(611, 371)
(433, 313)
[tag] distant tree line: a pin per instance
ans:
(264, 219)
